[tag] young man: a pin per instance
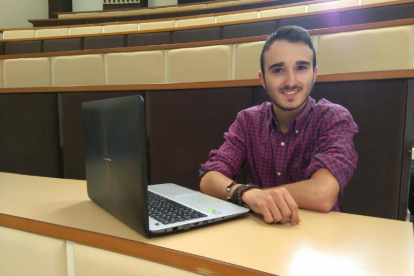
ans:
(299, 153)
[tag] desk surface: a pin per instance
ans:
(322, 244)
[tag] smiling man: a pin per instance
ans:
(299, 153)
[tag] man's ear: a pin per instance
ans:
(315, 74)
(261, 79)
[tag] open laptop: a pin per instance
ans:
(116, 173)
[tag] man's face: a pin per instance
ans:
(289, 76)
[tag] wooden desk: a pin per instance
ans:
(322, 244)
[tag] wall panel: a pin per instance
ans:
(249, 29)
(185, 125)
(149, 39)
(29, 143)
(100, 42)
(379, 14)
(62, 45)
(23, 47)
(205, 34)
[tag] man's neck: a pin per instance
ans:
(285, 117)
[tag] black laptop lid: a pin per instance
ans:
(115, 157)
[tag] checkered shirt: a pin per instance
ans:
(320, 137)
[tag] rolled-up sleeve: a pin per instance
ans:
(335, 149)
(229, 158)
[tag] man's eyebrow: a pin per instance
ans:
(280, 64)
(302, 62)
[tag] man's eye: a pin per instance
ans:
(301, 67)
(277, 70)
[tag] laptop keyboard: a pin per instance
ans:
(167, 211)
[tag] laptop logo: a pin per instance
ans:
(107, 157)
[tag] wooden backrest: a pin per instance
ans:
(368, 50)
(135, 67)
(27, 72)
(78, 70)
(211, 63)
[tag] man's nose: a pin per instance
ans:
(290, 79)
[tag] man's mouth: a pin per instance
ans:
(290, 92)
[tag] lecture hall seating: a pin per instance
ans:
(153, 36)
(116, 72)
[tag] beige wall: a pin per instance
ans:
(87, 5)
(156, 3)
(14, 14)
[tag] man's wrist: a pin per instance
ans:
(230, 189)
(238, 194)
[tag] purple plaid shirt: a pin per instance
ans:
(320, 137)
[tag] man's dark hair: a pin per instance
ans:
(293, 34)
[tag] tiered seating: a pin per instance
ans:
(162, 12)
(176, 22)
(359, 50)
(187, 30)
(150, 10)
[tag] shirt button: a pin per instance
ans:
(297, 131)
(282, 144)
(279, 174)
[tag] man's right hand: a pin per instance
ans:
(275, 204)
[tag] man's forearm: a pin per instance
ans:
(319, 193)
(215, 184)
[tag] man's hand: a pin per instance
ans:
(276, 205)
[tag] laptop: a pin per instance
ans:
(116, 174)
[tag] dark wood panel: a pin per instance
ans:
(70, 118)
(102, 42)
(45, 23)
(149, 39)
(1, 48)
(98, 20)
(185, 125)
(66, 22)
(249, 29)
(29, 140)
(62, 45)
(312, 22)
(407, 172)
(23, 47)
(59, 6)
(196, 35)
(379, 14)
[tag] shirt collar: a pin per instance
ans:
(296, 124)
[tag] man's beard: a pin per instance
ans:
(290, 88)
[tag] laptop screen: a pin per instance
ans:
(115, 157)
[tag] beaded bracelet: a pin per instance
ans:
(238, 193)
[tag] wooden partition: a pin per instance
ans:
(218, 31)
(186, 121)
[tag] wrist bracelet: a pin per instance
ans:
(228, 189)
(238, 193)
